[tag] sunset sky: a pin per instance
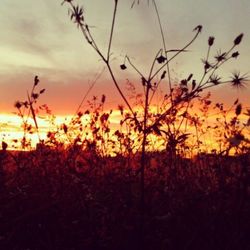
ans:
(38, 38)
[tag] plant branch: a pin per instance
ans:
(112, 29)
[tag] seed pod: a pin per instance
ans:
(210, 40)
(238, 39)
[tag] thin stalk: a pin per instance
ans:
(88, 91)
(118, 88)
(169, 60)
(134, 67)
(112, 29)
(144, 142)
(165, 49)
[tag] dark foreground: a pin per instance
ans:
(67, 200)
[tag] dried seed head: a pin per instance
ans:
(189, 77)
(239, 81)
(238, 39)
(238, 109)
(161, 59)
(35, 95)
(103, 98)
(123, 66)
(220, 56)
(215, 79)
(235, 54)
(210, 40)
(36, 80)
(18, 104)
(198, 28)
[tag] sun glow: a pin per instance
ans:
(67, 128)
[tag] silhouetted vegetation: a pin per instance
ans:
(151, 182)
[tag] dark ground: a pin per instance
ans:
(53, 200)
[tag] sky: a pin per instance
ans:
(38, 38)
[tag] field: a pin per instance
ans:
(52, 200)
(161, 165)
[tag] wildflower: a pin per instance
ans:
(77, 15)
(220, 56)
(210, 40)
(238, 39)
(238, 81)
(161, 59)
(18, 104)
(121, 109)
(36, 80)
(235, 54)
(69, 1)
(103, 99)
(42, 91)
(35, 95)
(238, 109)
(198, 28)
(207, 65)
(215, 79)
(123, 66)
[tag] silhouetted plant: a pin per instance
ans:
(178, 100)
(26, 109)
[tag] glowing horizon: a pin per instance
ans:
(47, 44)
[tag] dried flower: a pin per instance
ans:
(36, 80)
(207, 65)
(220, 56)
(210, 40)
(235, 54)
(103, 99)
(69, 1)
(77, 15)
(35, 95)
(215, 79)
(198, 28)
(238, 109)
(238, 81)
(161, 59)
(18, 104)
(238, 39)
(123, 66)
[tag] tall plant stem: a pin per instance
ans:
(165, 50)
(144, 142)
(112, 30)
